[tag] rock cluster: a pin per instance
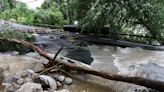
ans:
(29, 81)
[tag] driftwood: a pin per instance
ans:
(75, 65)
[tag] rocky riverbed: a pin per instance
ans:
(29, 81)
(126, 61)
(20, 74)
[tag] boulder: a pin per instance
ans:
(48, 81)
(30, 87)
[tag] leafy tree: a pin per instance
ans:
(120, 15)
(49, 13)
(18, 14)
(66, 7)
(7, 4)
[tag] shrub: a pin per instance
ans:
(8, 46)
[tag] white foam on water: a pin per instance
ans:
(140, 62)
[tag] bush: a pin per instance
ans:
(8, 46)
(51, 16)
(118, 15)
(44, 15)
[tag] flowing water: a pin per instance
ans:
(139, 62)
(127, 61)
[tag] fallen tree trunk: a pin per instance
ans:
(120, 43)
(75, 65)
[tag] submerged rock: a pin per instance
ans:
(22, 73)
(32, 54)
(13, 53)
(16, 77)
(39, 68)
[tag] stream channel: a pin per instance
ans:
(126, 61)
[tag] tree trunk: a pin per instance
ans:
(75, 65)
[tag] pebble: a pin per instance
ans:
(31, 73)
(16, 77)
(68, 81)
(61, 78)
(55, 76)
(59, 83)
(20, 81)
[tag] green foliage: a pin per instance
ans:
(18, 14)
(17, 35)
(8, 46)
(119, 15)
(49, 13)
(6, 4)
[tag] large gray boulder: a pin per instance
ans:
(30, 87)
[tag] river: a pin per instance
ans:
(126, 61)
